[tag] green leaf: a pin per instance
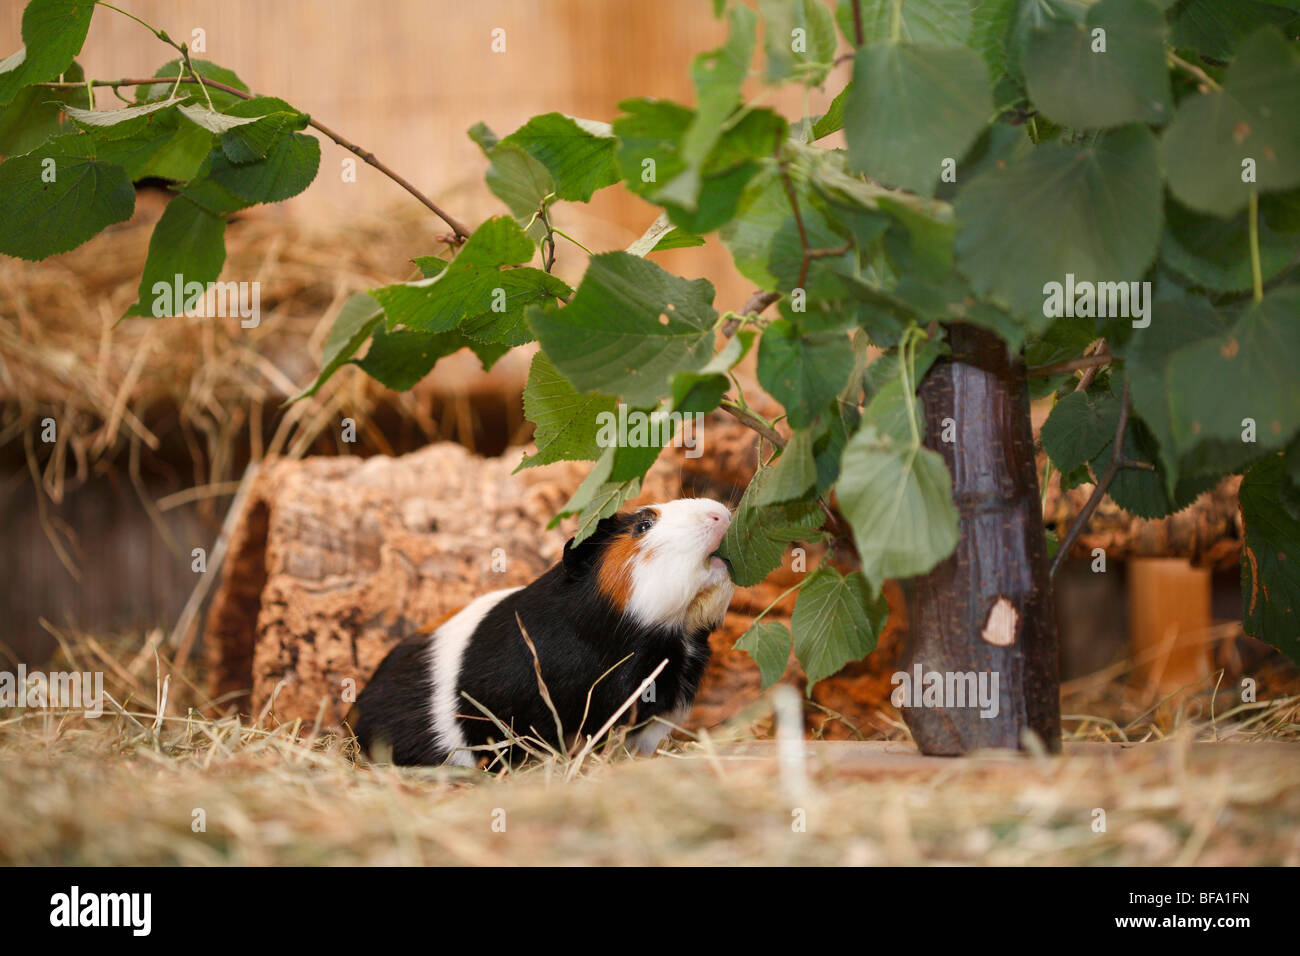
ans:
(36, 114)
(1031, 15)
(289, 168)
(829, 447)
(162, 146)
(891, 406)
(763, 211)
(898, 500)
(702, 391)
(212, 196)
(758, 535)
(806, 55)
(1147, 493)
(1255, 116)
(566, 419)
(768, 643)
(990, 23)
(803, 371)
(268, 117)
(651, 161)
(400, 359)
(1215, 28)
(47, 217)
(1079, 427)
(356, 321)
(937, 22)
(497, 242)
(107, 118)
(514, 177)
(211, 120)
(473, 293)
(912, 107)
(1126, 81)
(833, 119)
(630, 327)
(1215, 254)
(579, 154)
(1093, 211)
(793, 474)
(677, 238)
(189, 242)
(1175, 324)
(1248, 373)
(597, 497)
(53, 32)
(718, 76)
(836, 621)
(1270, 571)
(650, 239)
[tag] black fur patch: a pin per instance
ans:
(396, 708)
(579, 637)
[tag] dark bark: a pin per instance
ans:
(1001, 554)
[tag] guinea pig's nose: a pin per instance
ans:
(718, 518)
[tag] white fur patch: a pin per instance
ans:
(672, 568)
(449, 643)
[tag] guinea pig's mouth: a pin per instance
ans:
(723, 561)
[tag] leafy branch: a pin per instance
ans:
(461, 233)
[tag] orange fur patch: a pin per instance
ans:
(430, 628)
(615, 576)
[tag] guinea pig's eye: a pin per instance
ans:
(643, 524)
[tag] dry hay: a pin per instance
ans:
(123, 789)
(203, 387)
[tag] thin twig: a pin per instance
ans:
(460, 231)
(1099, 492)
(746, 417)
(757, 302)
(1072, 365)
(1089, 374)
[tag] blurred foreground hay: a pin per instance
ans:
(1220, 786)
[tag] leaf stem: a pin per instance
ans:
(784, 594)
(185, 55)
(131, 16)
(1193, 70)
(906, 368)
(1256, 273)
(559, 232)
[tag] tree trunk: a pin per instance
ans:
(987, 609)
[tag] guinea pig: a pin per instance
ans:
(644, 587)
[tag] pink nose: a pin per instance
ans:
(717, 522)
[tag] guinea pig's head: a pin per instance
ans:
(658, 565)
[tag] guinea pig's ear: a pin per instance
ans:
(579, 558)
